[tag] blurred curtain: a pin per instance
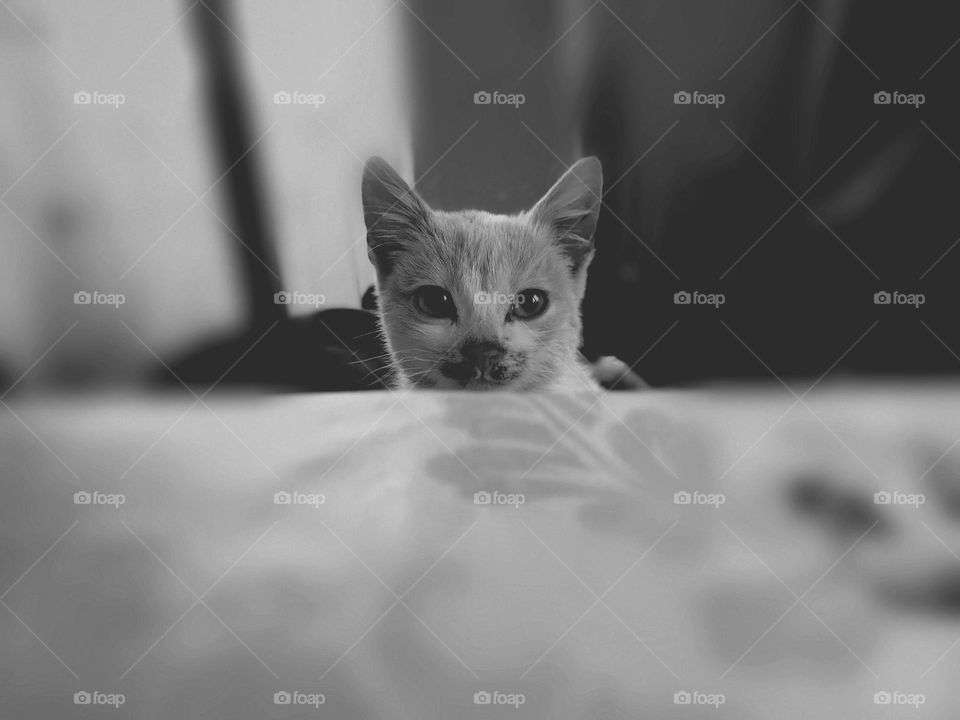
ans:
(105, 198)
(692, 190)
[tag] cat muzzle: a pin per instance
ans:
(481, 361)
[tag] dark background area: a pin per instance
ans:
(799, 112)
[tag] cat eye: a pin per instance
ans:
(434, 301)
(530, 304)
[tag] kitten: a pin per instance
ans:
(476, 301)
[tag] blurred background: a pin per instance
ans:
(179, 180)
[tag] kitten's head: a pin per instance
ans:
(480, 301)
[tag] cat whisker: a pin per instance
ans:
(368, 334)
(366, 360)
(381, 376)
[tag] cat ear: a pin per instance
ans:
(393, 213)
(570, 208)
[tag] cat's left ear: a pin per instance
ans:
(393, 213)
(570, 209)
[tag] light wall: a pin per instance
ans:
(104, 197)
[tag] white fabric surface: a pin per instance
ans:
(400, 597)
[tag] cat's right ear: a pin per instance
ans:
(393, 213)
(571, 207)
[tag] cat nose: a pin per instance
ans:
(482, 355)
